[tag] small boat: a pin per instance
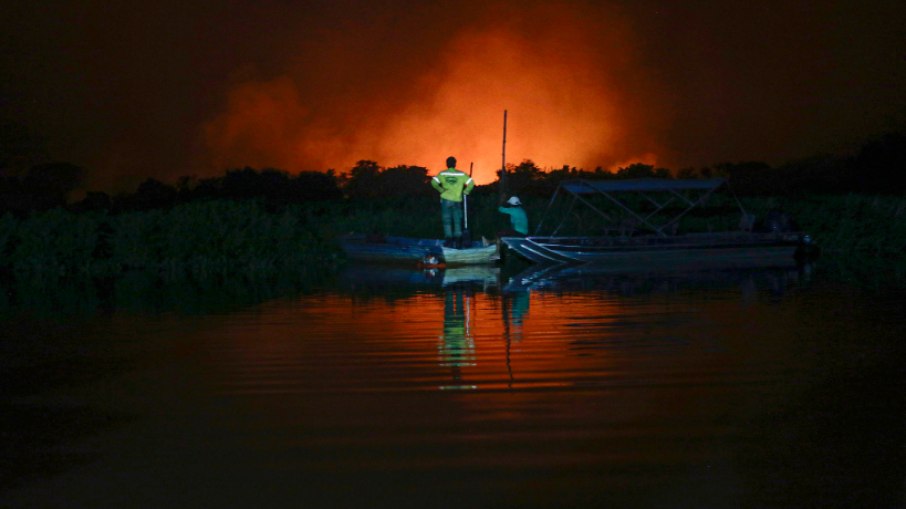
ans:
(630, 237)
(414, 251)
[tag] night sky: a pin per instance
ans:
(170, 88)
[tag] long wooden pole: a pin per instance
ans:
(465, 203)
(503, 163)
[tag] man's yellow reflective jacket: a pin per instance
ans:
(452, 183)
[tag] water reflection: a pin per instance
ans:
(575, 388)
(457, 344)
(514, 307)
(484, 317)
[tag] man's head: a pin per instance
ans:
(451, 162)
(514, 201)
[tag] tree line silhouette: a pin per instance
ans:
(878, 167)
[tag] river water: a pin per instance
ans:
(386, 387)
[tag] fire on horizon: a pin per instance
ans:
(168, 90)
(551, 69)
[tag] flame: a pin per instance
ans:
(560, 77)
(556, 115)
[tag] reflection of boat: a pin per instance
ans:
(366, 276)
(592, 276)
(412, 251)
(642, 206)
(484, 274)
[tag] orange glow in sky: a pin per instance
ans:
(562, 80)
(132, 90)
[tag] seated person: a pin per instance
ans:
(518, 218)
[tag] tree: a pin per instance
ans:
(880, 165)
(525, 178)
(316, 186)
(50, 184)
(362, 180)
(641, 170)
(152, 194)
(404, 181)
(20, 149)
(752, 178)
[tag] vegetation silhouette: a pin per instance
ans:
(876, 168)
(269, 221)
(44, 186)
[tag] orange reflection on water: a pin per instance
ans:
(455, 339)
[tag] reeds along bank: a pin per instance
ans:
(208, 237)
(223, 236)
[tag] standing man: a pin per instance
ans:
(452, 184)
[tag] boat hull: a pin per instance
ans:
(565, 277)
(480, 255)
(690, 251)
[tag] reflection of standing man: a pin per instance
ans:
(452, 184)
(458, 347)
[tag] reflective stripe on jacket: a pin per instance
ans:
(452, 183)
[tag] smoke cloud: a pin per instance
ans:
(567, 78)
(171, 88)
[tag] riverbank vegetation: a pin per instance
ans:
(271, 222)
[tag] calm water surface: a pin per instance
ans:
(390, 388)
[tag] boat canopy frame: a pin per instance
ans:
(660, 193)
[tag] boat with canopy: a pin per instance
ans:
(650, 223)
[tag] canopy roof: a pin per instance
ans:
(640, 185)
(659, 193)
